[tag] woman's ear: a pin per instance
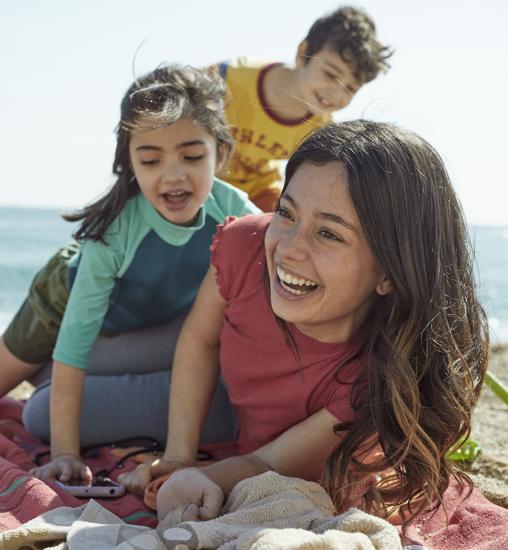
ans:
(222, 154)
(301, 54)
(384, 286)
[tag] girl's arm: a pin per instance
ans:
(301, 451)
(65, 405)
(193, 380)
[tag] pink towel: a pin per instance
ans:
(474, 523)
(23, 497)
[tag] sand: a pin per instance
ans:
(489, 470)
(490, 429)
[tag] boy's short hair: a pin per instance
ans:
(352, 34)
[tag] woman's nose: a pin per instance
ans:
(293, 246)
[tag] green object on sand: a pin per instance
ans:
(496, 386)
(464, 451)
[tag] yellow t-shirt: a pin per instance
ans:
(262, 138)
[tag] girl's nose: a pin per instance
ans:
(174, 173)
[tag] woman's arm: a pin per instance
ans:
(195, 371)
(301, 451)
(194, 376)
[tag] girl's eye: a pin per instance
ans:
(330, 76)
(148, 162)
(328, 235)
(194, 158)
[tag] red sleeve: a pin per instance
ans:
(341, 408)
(340, 402)
(238, 254)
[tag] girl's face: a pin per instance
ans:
(174, 167)
(323, 276)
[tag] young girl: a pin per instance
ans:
(144, 251)
(351, 339)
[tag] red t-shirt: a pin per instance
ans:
(269, 387)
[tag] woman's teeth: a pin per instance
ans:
(294, 285)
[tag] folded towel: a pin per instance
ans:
(273, 511)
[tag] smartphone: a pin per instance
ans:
(101, 487)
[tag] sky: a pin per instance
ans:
(66, 64)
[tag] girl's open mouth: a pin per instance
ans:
(176, 200)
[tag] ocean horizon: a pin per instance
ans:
(30, 236)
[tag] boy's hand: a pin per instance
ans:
(64, 468)
(190, 493)
(138, 479)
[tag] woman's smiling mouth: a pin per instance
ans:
(295, 285)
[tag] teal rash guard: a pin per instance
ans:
(147, 271)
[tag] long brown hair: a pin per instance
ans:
(162, 97)
(425, 343)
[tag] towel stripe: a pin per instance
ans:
(138, 515)
(14, 486)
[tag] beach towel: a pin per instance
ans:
(269, 511)
(23, 497)
(474, 523)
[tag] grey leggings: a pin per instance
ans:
(126, 392)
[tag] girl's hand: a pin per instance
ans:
(64, 467)
(138, 479)
(191, 495)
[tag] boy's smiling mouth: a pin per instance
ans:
(322, 101)
(295, 285)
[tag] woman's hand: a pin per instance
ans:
(191, 495)
(138, 479)
(64, 467)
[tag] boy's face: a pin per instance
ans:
(326, 82)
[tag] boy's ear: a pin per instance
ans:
(301, 53)
(222, 153)
(384, 286)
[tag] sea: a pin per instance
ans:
(30, 236)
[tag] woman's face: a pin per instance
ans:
(323, 276)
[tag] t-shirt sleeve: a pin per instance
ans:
(238, 255)
(88, 304)
(341, 407)
(340, 403)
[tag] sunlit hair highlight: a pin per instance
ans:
(425, 344)
(156, 100)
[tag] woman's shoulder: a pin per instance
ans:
(238, 253)
(242, 234)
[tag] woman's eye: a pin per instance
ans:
(194, 158)
(326, 234)
(283, 212)
(148, 162)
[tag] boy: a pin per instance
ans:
(275, 106)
